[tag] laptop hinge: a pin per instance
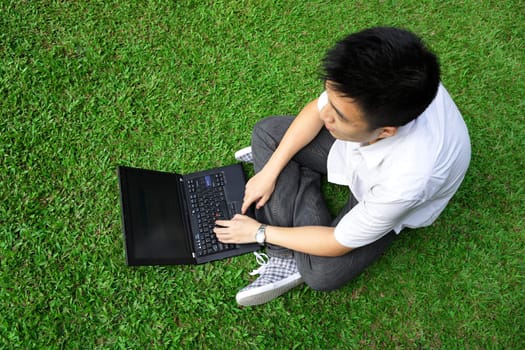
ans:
(186, 216)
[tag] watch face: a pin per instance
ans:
(260, 236)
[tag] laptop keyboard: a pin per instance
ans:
(207, 204)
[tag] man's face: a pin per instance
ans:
(344, 119)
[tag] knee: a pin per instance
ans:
(322, 282)
(269, 131)
(264, 124)
(318, 286)
(261, 131)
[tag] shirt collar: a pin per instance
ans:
(375, 153)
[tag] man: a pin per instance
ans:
(385, 127)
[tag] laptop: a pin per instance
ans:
(168, 218)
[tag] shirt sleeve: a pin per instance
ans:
(368, 221)
(322, 101)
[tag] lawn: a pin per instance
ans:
(177, 86)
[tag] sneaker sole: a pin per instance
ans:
(264, 294)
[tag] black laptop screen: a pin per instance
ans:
(156, 232)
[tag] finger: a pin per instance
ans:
(224, 239)
(220, 232)
(261, 202)
(223, 223)
(221, 237)
(246, 204)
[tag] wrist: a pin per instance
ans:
(260, 235)
(270, 172)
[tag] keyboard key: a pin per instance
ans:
(208, 204)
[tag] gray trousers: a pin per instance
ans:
(298, 201)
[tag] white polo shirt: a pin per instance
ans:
(405, 180)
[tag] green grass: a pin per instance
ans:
(177, 86)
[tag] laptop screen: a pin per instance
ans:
(154, 226)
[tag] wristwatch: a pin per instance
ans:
(260, 235)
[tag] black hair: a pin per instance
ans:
(389, 72)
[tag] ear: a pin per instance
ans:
(387, 131)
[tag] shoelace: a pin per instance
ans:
(263, 260)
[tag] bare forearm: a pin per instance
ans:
(303, 129)
(314, 240)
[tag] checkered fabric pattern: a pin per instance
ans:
(244, 155)
(272, 270)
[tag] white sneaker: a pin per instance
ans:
(244, 155)
(277, 276)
